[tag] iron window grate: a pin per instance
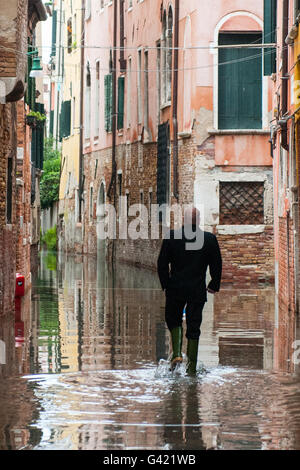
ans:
(241, 203)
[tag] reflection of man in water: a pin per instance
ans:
(182, 274)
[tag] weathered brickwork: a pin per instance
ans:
(248, 257)
(7, 230)
(286, 268)
(23, 193)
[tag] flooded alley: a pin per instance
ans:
(92, 373)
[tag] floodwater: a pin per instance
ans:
(88, 369)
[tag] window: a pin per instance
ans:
(163, 164)
(240, 82)
(139, 84)
(91, 202)
(65, 120)
(270, 23)
(129, 92)
(120, 183)
(87, 103)
(241, 203)
(169, 41)
(297, 9)
(127, 202)
(69, 35)
(73, 115)
(150, 201)
(9, 190)
(108, 102)
(121, 84)
(97, 99)
(129, 3)
(88, 9)
(102, 4)
(158, 80)
(146, 91)
(164, 60)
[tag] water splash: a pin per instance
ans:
(163, 369)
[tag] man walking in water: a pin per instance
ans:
(182, 265)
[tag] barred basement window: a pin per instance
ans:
(241, 203)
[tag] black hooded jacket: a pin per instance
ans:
(183, 269)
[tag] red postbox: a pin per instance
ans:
(20, 285)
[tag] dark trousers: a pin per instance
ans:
(175, 303)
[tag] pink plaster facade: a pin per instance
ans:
(286, 148)
(199, 25)
(208, 156)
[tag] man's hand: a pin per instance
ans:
(211, 291)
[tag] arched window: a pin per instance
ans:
(87, 102)
(240, 81)
(169, 42)
(163, 58)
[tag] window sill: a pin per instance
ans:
(238, 131)
(165, 105)
(130, 9)
(239, 229)
(184, 135)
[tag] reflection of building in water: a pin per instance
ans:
(243, 322)
(98, 319)
(122, 319)
(17, 410)
(286, 339)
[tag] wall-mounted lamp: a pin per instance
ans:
(36, 69)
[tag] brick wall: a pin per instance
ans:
(7, 231)
(23, 195)
(248, 258)
(286, 269)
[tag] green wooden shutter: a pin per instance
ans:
(31, 88)
(240, 83)
(54, 29)
(51, 127)
(121, 85)
(108, 102)
(270, 23)
(65, 119)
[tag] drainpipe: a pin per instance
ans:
(59, 74)
(175, 102)
(284, 72)
(112, 184)
(81, 114)
(288, 258)
(122, 37)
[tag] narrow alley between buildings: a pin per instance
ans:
(91, 368)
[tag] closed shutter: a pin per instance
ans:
(163, 164)
(270, 22)
(65, 119)
(121, 85)
(31, 89)
(54, 28)
(240, 83)
(51, 127)
(108, 102)
(40, 139)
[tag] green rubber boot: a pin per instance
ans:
(192, 354)
(176, 336)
